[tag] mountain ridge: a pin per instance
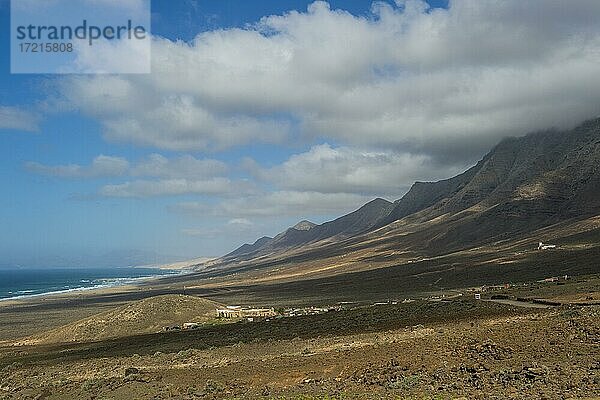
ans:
(358, 221)
(522, 183)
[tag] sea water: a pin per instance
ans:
(25, 282)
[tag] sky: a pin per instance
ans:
(259, 114)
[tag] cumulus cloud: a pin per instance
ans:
(441, 83)
(170, 176)
(325, 169)
(170, 187)
(111, 56)
(276, 205)
(101, 166)
(15, 118)
(186, 166)
(241, 222)
(153, 166)
(137, 111)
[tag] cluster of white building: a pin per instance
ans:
(242, 312)
(230, 312)
(295, 312)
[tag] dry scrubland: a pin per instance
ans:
(425, 349)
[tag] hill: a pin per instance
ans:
(145, 316)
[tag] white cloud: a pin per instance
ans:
(172, 176)
(276, 205)
(326, 169)
(170, 187)
(101, 166)
(15, 118)
(243, 222)
(153, 166)
(434, 82)
(186, 166)
(111, 56)
(138, 112)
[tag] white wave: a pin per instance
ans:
(102, 283)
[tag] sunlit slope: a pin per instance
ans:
(144, 316)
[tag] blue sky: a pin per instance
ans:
(305, 114)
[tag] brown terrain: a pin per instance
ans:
(455, 348)
(399, 280)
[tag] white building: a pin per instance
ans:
(240, 312)
(542, 246)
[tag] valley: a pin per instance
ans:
(445, 293)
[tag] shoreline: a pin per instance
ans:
(33, 314)
(103, 288)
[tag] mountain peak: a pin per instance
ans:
(304, 225)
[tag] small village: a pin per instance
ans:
(250, 314)
(253, 314)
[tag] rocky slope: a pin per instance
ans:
(553, 173)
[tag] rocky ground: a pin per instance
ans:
(459, 349)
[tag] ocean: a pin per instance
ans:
(26, 282)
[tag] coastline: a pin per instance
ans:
(115, 285)
(29, 315)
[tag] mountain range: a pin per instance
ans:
(522, 184)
